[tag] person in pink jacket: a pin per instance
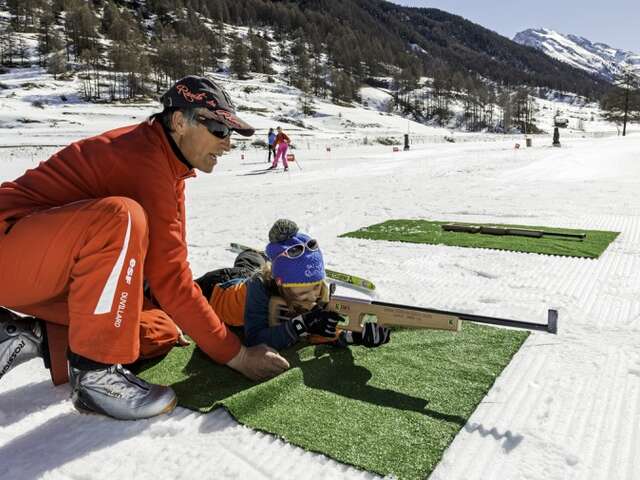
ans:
(281, 145)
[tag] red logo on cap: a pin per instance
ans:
(189, 96)
(230, 117)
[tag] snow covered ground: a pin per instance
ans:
(567, 407)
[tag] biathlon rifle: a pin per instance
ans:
(355, 312)
(519, 232)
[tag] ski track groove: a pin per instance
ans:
(593, 432)
(497, 413)
(574, 415)
(632, 444)
(611, 403)
(523, 406)
(625, 412)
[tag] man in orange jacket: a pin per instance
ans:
(80, 233)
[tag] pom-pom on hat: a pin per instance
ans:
(307, 269)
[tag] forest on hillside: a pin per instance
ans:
(327, 48)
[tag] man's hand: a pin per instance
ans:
(372, 335)
(315, 322)
(259, 362)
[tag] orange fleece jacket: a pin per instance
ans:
(282, 137)
(137, 162)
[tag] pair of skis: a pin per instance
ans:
(261, 171)
(345, 278)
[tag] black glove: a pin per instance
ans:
(372, 335)
(315, 322)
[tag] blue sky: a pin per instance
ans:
(614, 22)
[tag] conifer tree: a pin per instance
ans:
(301, 72)
(524, 111)
(48, 39)
(342, 86)
(621, 104)
(8, 41)
(505, 104)
(239, 62)
(256, 61)
(56, 64)
(80, 27)
(219, 46)
(22, 51)
(286, 59)
(267, 59)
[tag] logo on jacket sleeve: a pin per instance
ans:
(132, 265)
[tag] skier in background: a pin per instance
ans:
(281, 144)
(271, 139)
(293, 269)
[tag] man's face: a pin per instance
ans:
(199, 146)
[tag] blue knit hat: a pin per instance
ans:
(307, 269)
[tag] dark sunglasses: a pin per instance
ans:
(220, 130)
(295, 251)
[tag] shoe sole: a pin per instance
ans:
(169, 408)
(83, 409)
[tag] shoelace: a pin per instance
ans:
(115, 381)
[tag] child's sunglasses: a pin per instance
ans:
(215, 128)
(296, 251)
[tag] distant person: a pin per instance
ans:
(81, 233)
(271, 139)
(281, 144)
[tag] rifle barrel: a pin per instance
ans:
(519, 232)
(581, 236)
(550, 327)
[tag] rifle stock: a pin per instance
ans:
(356, 312)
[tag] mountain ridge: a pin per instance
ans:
(596, 58)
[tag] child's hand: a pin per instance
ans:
(372, 335)
(316, 322)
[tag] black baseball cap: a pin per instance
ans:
(194, 91)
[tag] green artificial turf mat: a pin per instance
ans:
(390, 410)
(425, 231)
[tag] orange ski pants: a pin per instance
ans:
(81, 265)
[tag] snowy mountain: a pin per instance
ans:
(579, 52)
